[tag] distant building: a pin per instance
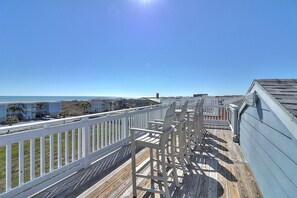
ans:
(29, 110)
(2, 112)
(100, 105)
(200, 95)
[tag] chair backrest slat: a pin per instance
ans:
(183, 111)
(169, 117)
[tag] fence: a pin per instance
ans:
(46, 152)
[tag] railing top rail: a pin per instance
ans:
(38, 124)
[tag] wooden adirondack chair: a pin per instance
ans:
(181, 146)
(197, 124)
(156, 141)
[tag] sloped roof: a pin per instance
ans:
(284, 91)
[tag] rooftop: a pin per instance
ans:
(284, 91)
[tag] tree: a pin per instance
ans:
(86, 106)
(65, 114)
(14, 109)
(11, 120)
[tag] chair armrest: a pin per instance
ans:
(159, 120)
(155, 122)
(132, 130)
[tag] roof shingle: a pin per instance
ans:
(284, 91)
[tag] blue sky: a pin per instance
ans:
(140, 47)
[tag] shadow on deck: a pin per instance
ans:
(218, 170)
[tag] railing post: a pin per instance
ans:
(126, 127)
(234, 122)
(86, 142)
(147, 117)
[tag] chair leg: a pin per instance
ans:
(172, 154)
(182, 153)
(164, 172)
(188, 146)
(152, 166)
(133, 148)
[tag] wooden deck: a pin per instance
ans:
(219, 171)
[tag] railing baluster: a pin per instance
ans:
(52, 151)
(59, 150)
(32, 159)
(8, 167)
(112, 132)
(93, 138)
(124, 126)
(109, 132)
(119, 128)
(115, 130)
(73, 145)
(79, 143)
(66, 148)
(102, 134)
(21, 163)
(42, 156)
(105, 134)
(98, 137)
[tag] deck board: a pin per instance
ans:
(218, 170)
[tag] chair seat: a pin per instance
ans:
(148, 141)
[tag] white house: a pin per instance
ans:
(30, 110)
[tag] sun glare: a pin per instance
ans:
(145, 1)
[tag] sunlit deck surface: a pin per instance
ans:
(218, 171)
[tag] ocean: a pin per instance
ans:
(46, 98)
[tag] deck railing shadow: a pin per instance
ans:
(208, 154)
(211, 151)
(214, 164)
(81, 181)
(213, 144)
(214, 137)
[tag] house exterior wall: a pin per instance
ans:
(98, 106)
(29, 111)
(2, 112)
(270, 149)
(53, 108)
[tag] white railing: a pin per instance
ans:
(216, 115)
(46, 152)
